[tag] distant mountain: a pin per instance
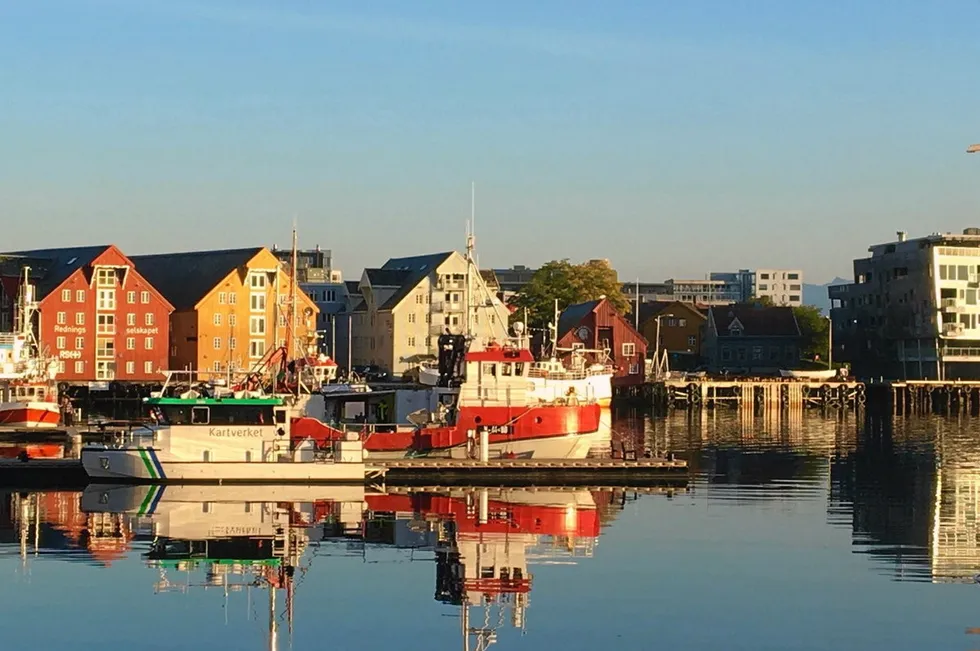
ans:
(816, 295)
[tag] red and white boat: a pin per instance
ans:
(481, 389)
(28, 392)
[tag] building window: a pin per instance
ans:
(105, 324)
(629, 349)
(232, 298)
(105, 348)
(282, 320)
(257, 302)
(726, 354)
(130, 368)
(216, 319)
(60, 343)
(411, 318)
(80, 296)
(222, 298)
(131, 319)
(794, 288)
(428, 342)
(216, 342)
(144, 297)
(61, 366)
(105, 277)
(232, 320)
(331, 295)
(66, 296)
(62, 318)
(148, 318)
(740, 353)
(692, 341)
(764, 276)
(411, 342)
(131, 297)
(148, 367)
(794, 298)
(634, 369)
(130, 343)
(79, 343)
(105, 370)
(757, 353)
(792, 276)
(256, 280)
(763, 288)
(148, 343)
(256, 348)
(79, 318)
(79, 367)
(216, 367)
(232, 344)
(256, 325)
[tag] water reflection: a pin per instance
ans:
(845, 504)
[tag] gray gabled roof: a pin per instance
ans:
(51, 267)
(572, 315)
(756, 321)
(185, 278)
(411, 271)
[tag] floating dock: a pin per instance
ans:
(68, 473)
(742, 393)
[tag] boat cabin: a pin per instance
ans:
(217, 411)
(28, 393)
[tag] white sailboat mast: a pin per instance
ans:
(470, 244)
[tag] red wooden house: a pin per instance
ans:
(597, 325)
(96, 314)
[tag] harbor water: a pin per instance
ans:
(792, 533)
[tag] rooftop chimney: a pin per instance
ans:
(902, 236)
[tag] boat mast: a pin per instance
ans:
(293, 331)
(470, 244)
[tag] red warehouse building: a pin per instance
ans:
(96, 313)
(597, 325)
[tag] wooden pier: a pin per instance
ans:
(752, 393)
(918, 397)
(528, 472)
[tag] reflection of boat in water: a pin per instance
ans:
(483, 541)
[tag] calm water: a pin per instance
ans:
(806, 534)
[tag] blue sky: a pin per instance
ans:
(674, 138)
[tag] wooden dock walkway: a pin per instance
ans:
(917, 397)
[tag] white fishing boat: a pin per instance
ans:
(579, 373)
(237, 437)
(28, 392)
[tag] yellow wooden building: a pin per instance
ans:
(231, 307)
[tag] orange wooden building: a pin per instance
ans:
(231, 306)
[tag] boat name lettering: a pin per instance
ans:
(78, 330)
(234, 531)
(142, 331)
(235, 432)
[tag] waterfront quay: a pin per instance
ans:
(752, 392)
(921, 397)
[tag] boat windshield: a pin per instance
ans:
(191, 414)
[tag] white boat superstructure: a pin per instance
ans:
(28, 393)
(224, 439)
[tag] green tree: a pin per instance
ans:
(569, 284)
(814, 327)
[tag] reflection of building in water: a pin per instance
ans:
(912, 494)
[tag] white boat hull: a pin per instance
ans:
(144, 466)
(596, 388)
(827, 374)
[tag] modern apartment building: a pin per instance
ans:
(408, 302)
(913, 310)
(784, 287)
